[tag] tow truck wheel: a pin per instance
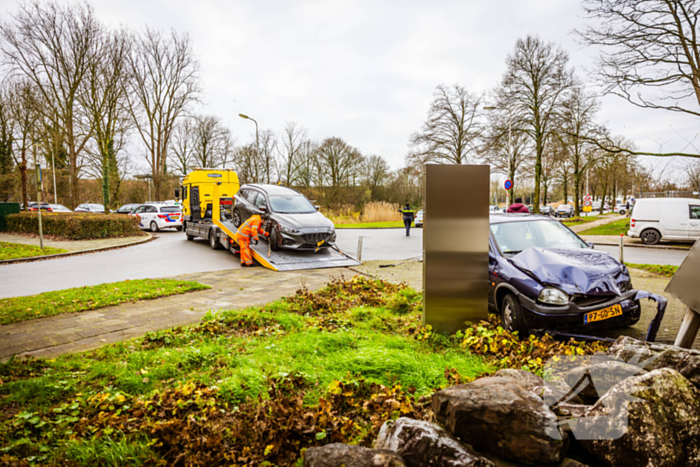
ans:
(214, 241)
(154, 226)
(512, 316)
(236, 218)
(274, 239)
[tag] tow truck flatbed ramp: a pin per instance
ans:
(290, 260)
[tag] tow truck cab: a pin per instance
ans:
(196, 192)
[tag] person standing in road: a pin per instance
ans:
(246, 233)
(627, 206)
(518, 207)
(408, 216)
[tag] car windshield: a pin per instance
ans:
(291, 204)
(171, 209)
(514, 237)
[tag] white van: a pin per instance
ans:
(654, 219)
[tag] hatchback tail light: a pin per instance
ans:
(632, 223)
(163, 216)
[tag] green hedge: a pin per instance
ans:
(75, 226)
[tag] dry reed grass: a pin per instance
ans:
(376, 211)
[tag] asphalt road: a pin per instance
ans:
(172, 255)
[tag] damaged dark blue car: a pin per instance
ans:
(544, 276)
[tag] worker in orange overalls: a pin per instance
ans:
(246, 233)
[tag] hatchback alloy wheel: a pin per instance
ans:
(651, 237)
(154, 226)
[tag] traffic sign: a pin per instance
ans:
(508, 185)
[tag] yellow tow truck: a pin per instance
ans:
(207, 197)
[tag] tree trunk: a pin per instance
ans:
(106, 159)
(538, 174)
(23, 178)
(566, 189)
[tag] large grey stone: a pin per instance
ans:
(337, 455)
(648, 420)
(596, 379)
(546, 391)
(500, 416)
(652, 356)
(425, 444)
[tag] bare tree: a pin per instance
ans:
(266, 157)
(693, 173)
(576, 131)
(338, 162)
(212, 141)
(104, 98)
(376, 172)
(24, 108)
(6, 140)
(163, 83)
(507, 150)
(307, 165)
(293, 139)
(534, 85)
(650, 55)
(451, 133)
(52, 46)
(181, 152)
(248, 164)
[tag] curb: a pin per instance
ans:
(628, 245)
(145, 239)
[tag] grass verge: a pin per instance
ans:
(613, 228)
(372, 225)
(10, 250)
(580, 220)
(13, 310)
(252, 387)
(660, 269)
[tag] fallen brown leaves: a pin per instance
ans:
(191, 427)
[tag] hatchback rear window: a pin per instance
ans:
(171, 209)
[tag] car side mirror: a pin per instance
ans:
(590, 245)
(262, 209)
(317, 207)
(177, 193)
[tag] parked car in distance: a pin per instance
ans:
(546, 210)
(656, 219)
(494, 208)
(59, 208)
(90, 207)
(621, 209)
(296, 224)
(544, 276)
(34, 206)
(126, 209)
(564, 210)
(159, 216)
(418, 221)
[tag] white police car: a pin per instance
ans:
(155, 216)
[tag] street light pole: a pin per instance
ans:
(257, 139)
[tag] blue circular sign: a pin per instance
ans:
(508, 185)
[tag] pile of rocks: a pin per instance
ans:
(637, 405)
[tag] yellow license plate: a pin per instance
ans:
(600, 315)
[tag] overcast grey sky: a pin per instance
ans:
(365, 70)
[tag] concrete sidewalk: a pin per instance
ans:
(589, 225)
(615, 240)
(76, 332)
(74, 246)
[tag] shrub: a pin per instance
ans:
(75, 226)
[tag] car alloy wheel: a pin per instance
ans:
(236, 218)
(512, 316)
(274, 239)
(651, 237)
(154, 226)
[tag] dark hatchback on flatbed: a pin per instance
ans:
(544, 276)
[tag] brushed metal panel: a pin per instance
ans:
(455, 245)
(684, 283)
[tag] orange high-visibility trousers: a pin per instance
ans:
(244, 244)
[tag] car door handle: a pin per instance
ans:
(693, 223)
(684, 223)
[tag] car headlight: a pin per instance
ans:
(288, 230)
(554, 297)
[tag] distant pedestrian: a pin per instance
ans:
(408, 216)
(627, 211)
(518, 207)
